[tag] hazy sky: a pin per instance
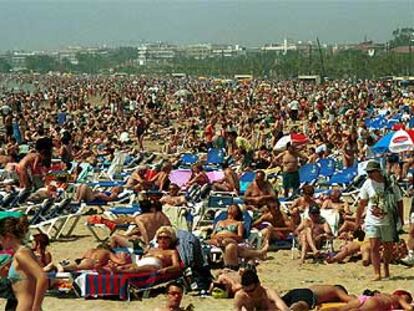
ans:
(34, 24)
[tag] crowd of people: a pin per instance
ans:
(65, 121)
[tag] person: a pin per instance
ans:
(175, 292)
(160, 180)
(229, 183)
(254, 296)
(163, 258)
(29, 282)
(304, 299)
(290, 166)
(141, 127)
(65, 150)
(35, 164)
(147, 224)
(174, 197)
(260, 192)
(198, 176)
(313, 232)
(381, 198)
(273, 224)
(6, 290)
(302, 204)
(138, 181)
(93, 259)
(352, 247)
(400, 299)
(227, 284)
(228, 233)
(85, 193)
(40, 243)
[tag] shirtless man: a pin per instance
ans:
(274, 224)
(260, 192)
(290, 167)
(93, 259)
(151, 219)
(230, 182)
(254, 296)
(304, 299)
(174, 197)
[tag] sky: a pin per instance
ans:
(53, 24)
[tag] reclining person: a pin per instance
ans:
(173, 197)
(163, 258)
(229, 183)
(304, 299)
(399, 300)
(93, 259)
(85, 193)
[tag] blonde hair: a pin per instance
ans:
(169, 231)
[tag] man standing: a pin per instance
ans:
(290, 165)
(382, 200)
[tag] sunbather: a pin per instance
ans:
(163, 259)
(174, 197)
(86, 194)
(260, 192)
(198, 176)
(304, 299)
(313, 232)
(40, 243)
(228, 234)
(93, 259)
(254, 296)
(274, 224)
(400, 299)
(230, 182)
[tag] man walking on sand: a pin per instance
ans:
(382, 200)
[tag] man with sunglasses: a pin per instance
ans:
(254, 296)
(175, 293)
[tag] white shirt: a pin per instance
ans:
(373, 192)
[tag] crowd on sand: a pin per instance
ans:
(84, 119)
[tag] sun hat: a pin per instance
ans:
(373, 166)
(4, 215)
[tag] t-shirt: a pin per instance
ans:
(374, 192)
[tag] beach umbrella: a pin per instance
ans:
(396, 141)
(296, 139)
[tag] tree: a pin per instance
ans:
(4, 66)
(402, 37)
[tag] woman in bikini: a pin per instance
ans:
(228, 233)
(29, 282)
(40, 243)
(163, 259)
(399, 300)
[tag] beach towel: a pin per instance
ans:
(180, 177)
(100, 285)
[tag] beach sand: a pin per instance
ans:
(279, 272)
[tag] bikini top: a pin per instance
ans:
(14, 276)
(229, 228)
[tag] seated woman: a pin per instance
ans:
(163, 258)
(230, 182)
(93, 259)
(399, 300)
(85, 193)
(273, 223)
(303, 203)
(228, 233)
(313, 232)
(198, 176)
